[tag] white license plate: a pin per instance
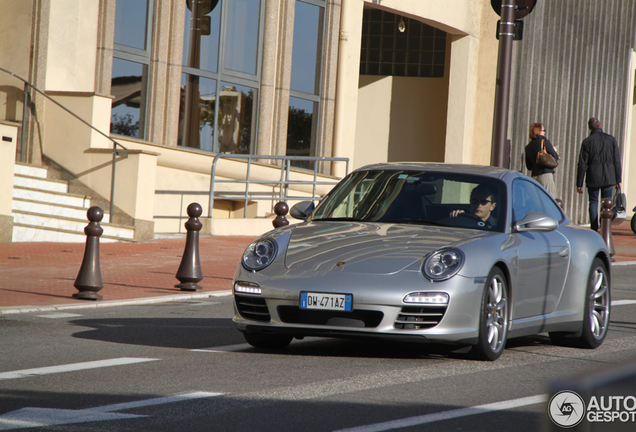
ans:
(324, 301)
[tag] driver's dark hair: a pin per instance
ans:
(482, 188)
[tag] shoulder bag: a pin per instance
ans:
(546, 159)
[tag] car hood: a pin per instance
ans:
(367, 247)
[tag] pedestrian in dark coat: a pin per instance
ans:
(540, 173)
(600, 166)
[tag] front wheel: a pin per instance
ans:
(493, 322)
(632, 224)
(263, 340)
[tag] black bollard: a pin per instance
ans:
(89, 279)
(606, 225)
(281, 208)
(189, 272)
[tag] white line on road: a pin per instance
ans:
(448, 415)
(623, 302)
(226, 348)
(42, 417)
(24, 373)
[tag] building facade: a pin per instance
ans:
(178, 82)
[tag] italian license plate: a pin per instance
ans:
(324, 301)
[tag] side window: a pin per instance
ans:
(525, 199)
(549, 207)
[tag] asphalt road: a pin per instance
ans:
(183, 367)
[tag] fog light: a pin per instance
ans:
(432, 298)
(247, 288)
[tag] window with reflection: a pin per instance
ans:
(304, 102)
(131, 57)
(221, 58)
(301, 130)
(128, 88)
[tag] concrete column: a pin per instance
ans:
(348, 79)
(461, 100)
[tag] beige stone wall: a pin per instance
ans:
(72, 44)
(15, 42)
(460, 129)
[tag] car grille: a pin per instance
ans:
(253, 308)
(419, 317)
(356, 318)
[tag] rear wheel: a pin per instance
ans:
(596, 311)
(493, 322)
(263, 340)
(632, 223)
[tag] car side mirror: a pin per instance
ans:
(536, 221)
(302, 210)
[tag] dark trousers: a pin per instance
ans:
(592, 193)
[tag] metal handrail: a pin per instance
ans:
(27, 84)
(283, 184)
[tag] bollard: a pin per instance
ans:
(189, 272)
(281, 210)
(606, 225)
(89, 278)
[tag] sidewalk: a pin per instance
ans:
(40, 276)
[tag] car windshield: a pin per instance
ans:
(416, 197)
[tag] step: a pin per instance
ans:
(29, 170)
(31, 194)
(37, 221)
(26, 233)
(50, 209)
(40, 183)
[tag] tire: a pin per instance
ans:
(493, 321)
(596, 312)
(271, 341)
(632, 224)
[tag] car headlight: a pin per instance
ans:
(443, 264)
(259, 254)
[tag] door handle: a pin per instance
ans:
(564, 252)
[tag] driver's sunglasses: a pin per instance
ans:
(479, 201)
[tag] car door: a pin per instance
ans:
(543, 257)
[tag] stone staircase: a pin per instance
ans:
(44, 211)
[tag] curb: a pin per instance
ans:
(112, 303)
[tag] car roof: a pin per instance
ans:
(439, 167)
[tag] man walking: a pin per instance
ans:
(600, 165)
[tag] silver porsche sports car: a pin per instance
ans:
(421, 252)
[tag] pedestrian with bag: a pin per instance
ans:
(600, 166)
(541, 158)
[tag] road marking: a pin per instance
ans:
(58, 315)
(226, 348)
(43, 417)
(623, 302)
(623, 263)
(25, 373)
(448, 415)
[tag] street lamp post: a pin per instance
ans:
(509, 10)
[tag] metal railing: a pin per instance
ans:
(282, 185)
(27, 84)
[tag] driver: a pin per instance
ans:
(482, 203)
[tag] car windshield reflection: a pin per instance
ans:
(416, 197)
